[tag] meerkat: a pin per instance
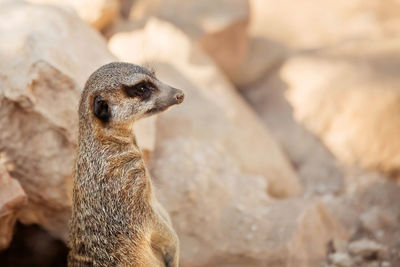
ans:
(116, 219)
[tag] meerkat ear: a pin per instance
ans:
(101, 109)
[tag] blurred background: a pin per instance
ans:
(285, 151)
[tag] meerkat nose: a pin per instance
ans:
(179, 97)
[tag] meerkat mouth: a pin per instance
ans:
(157, 110)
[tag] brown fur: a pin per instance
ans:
(116, 219)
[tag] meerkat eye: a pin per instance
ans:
(142, 90)
(101, 109)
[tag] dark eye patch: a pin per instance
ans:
(101, 109)
(142, 90)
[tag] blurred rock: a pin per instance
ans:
(47, 55)
(308, 24)
(337, 245)
(224, 218)
(374, 239)
(98, 13)
(349, 96)
(340, 259)
(126, 6)
(218, 26)
(278, 29)
(318, 170)
(367, 249)
(212, 111)
(375, 219)
(213, 185)
(362, 252)
(227, 221)
(262, 58)
(12, 198)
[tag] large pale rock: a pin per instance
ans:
(12, 198)
(349, 96)
(224, 218)
(309, 24)
(98, 13)
(212, 111)
(48, 53)
(219, 26)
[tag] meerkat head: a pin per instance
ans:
(123, 92)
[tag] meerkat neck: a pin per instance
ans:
(109, 174)
(117, 156)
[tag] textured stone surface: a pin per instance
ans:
(12, 198)
(372, 219)
(367, 248)
(48, 53)
(224, 217)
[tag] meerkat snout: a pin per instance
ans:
(179, 97)
(128, 93)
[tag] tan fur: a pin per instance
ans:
(116, 219)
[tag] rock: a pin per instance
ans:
(315, 226)
(262, 58)
(44, 41)
(340, 259)
(126, 6)
(226, 118)
(374, 240)
(12, 198)
(218, 26)
(318, 170)
(217, 198)
(375, 219)
(367, 249)
(98, 13)
(355, 85)
(333, 21)
(278, 29)
(337, 245)
(48, 53)
(224, 218)
(362, 252)
(221, 222)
